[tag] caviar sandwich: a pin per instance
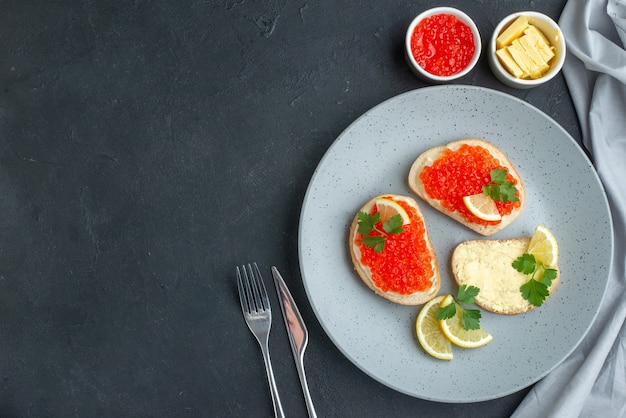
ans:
(392, 252)
(472, 181)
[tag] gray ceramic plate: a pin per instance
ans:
(373, 156)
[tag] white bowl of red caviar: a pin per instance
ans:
(442, 44)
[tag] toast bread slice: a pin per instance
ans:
(487, 264)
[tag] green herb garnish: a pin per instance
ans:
(470, 318)
(367, 224)
(500, 189)
(535, 290)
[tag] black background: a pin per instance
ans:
(149, 147)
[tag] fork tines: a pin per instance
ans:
(252, 292)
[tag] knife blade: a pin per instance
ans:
(298, 334)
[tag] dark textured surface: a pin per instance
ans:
(148, 147)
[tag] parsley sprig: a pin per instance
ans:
(535, 290)
(470, 318)
(500, 189)
(368, 224)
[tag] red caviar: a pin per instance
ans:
(462, 173)
(442, 44)
(405, 265)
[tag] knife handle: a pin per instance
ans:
(305, 388)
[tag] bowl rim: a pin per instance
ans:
(554, 70)
(461, 16)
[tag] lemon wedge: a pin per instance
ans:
(454, 331)
(388, 208)
(429, 332)
(482, 206)
(544, 247)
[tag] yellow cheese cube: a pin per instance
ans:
(544, 48)
(508, 63)
(520, 54)
(532, 49)
(523, 60)
(513, 31)
(533, 30)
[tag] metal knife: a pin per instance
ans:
(298, 335)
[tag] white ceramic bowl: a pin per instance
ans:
(550, 29)
(421, 72)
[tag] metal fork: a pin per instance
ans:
(258, 315)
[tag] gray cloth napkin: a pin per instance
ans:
(592, 381)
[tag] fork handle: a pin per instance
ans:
(278, 407)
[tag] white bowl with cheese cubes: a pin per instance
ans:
(526, 49)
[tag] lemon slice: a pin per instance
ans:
(388, 208)
(482, 206)
(454, 331)
(429, 332)
(544, 247)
